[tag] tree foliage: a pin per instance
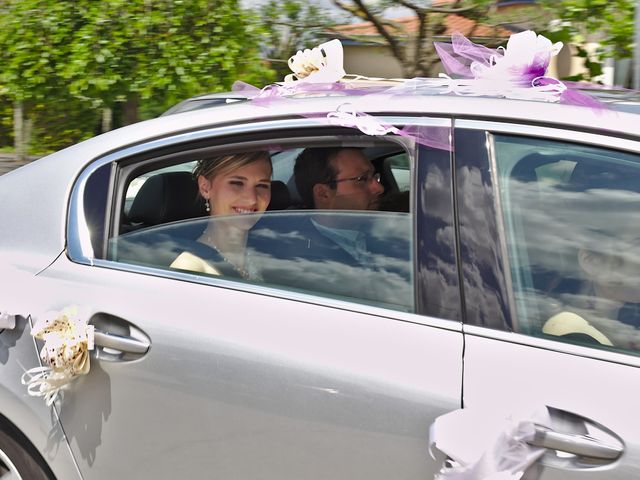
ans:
(414, 51)
(94, 55)
(609, 23)
(289, 26)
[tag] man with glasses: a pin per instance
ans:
(337, 179)
(340, 247)
(334, 179)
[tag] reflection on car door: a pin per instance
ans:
(248, 381)
(247, 385)
(508, 366)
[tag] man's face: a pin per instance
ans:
(355, 187)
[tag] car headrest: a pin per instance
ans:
(587, 176)
(167, 197)
(280, 196)
(525, 169)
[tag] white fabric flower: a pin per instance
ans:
(65, 354)
(526, 57)
(323, 64)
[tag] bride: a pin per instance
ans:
(231, 185)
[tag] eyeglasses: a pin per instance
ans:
(363, 179)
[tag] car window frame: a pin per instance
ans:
(464, 130)
(79, 249)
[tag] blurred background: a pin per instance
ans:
(74, 69)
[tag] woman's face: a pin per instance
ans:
(243, 190)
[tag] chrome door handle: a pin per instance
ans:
(120, 343)
(576, 444)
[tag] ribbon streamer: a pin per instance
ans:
(518, 71)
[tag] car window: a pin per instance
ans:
(349, 248)
(571, 222)
(398, 166)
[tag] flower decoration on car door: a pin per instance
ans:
(67, 338)
(7, 320)
(474, 443)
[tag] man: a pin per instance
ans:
(331, 249)
(337, 179)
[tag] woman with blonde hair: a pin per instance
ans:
(231, 186)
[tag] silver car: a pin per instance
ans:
(495, 284)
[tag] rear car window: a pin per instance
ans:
(572, 223)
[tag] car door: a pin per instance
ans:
(199, 376)
(547, 231)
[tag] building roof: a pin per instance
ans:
(409, 25)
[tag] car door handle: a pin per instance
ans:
(576, 444)
(120, 343)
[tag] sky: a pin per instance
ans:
(328, 4)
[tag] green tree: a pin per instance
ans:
(609, 23)
(414, 50)
(31, 47)
(127, 51)
(123, 52)
(289, 26)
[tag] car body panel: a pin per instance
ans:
(296, 390)
(24, 292)
(247, 381)
(508, 372)
(505, 376)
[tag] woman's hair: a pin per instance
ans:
(213, 166)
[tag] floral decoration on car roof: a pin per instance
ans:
(323, 64)
(67, 338)
(518, 71)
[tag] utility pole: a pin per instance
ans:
(636, 50)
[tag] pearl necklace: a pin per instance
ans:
(245, 273)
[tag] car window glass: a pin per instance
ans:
(134, 186)
(398, 166)
(351, 249)
(572, 231)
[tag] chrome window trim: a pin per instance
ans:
(281, 293)
(552, 345)
(561, 132)
(79, 248)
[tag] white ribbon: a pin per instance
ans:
(347, 116)
(65, 354)
(480, 87)
(482, 446)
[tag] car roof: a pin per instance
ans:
(616, 98)
(621, 120)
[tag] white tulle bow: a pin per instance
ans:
(526, 57)
(322, 64)
(518, 71)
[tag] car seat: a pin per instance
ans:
(166, 197)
